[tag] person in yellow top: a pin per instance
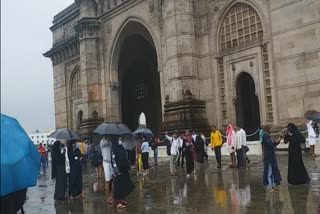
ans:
(216, 144)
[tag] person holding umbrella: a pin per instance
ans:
(75, 178)
(20, 162)
(59, 171)
(105, 145)
(145, 156)
(122, 184)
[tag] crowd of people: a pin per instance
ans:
(113, 163)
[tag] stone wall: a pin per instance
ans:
(88, 36)
(296, 48)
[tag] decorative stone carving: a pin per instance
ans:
(167, 99)
(63, 51)
(151, 5)
(251, 63)
(233, 67)
(109, 27)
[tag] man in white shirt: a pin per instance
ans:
(174, 151)
(240, 141)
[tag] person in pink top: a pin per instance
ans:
(230, 144)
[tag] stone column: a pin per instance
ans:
(183, 109)
(88, 28)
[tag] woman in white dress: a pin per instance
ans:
(105, 146)
(312, 137)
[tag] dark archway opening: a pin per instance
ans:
(139, 83)
(247, 104)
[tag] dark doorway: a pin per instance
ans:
(247, 104)
(140, 83)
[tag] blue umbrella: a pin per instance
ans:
(20, 159)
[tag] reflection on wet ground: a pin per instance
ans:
(209, 191)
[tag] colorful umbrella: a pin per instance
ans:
(20, 159)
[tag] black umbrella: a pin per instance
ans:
(129, 142)
(114, 128)
(65, 134)
(144, 132)
(315, 117)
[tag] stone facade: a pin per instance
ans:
(203, 48)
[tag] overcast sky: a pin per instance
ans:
(26, 75)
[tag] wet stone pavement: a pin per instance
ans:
(209, 191)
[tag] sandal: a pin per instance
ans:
(121, 206)
(124, 203)
(110, 201)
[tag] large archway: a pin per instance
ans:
(247, 104)
(139, 78)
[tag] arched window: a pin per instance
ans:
(79, 118)
(242, 24)
(76, 86)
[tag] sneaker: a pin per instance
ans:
(188, 176)
(219, 166)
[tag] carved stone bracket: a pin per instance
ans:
(63, 51)
(87, 24)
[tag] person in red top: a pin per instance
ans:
(42, 151)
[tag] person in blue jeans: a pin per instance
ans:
(155, 149)
(271, 173)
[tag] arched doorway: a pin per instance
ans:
(247, 104)
(139, 78)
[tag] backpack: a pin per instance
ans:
(169, 148)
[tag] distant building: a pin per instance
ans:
(38, 137)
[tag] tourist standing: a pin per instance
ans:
(216, 144)
(206, 156)
(238, 143)
(105, 145)
(59, 170)
(85, 154)
(230, 143)
(312, 137)
(145, 156)
(271, 173)
(188, 148)
(199, 148)
(47, 154)
(75, 179)
(174, 151)
(42, 151)
(155, 146)
(122, 184)
(297, 173)
(138, 155)
(96, 161)
(181, 155)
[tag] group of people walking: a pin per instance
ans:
(67, 165)
(191, 149)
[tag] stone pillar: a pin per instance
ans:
(183, 109)
(88, 28)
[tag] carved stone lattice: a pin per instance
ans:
(222, 89)
(242, 24)
(267, 83)
(76, 86)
